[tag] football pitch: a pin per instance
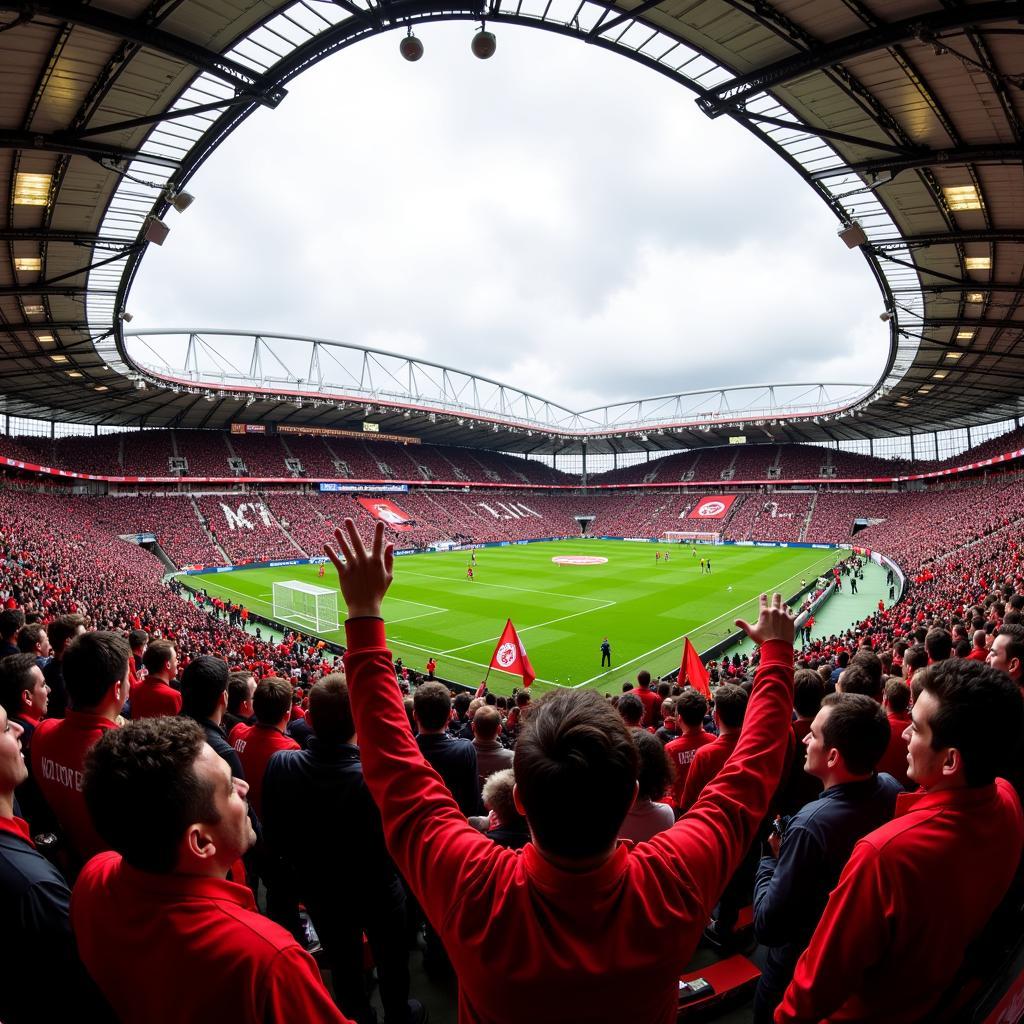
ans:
(561, 611)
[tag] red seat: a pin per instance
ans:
(716, 986)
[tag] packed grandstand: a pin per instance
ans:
(211, 814)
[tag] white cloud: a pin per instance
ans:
(557, 217)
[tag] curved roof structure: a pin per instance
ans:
(905, 117)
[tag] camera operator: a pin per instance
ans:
(847, 738)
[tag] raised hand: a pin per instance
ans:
(364, 574)
(775, 622)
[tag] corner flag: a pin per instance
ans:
(510, 655)
(692, 670)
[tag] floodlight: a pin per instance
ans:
(181, 201)
(484, 44)
(155, 231)
(853, 234)
(410, 47)
(885, 317)
(126, 317)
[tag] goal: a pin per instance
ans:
(691, 536)
(313, 608)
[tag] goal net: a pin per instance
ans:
(691, 536)
(313, 608)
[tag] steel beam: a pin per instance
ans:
(63, 142)
(732, 94)
(242, 78)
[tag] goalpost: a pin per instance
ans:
(313, 608)
(693, 536)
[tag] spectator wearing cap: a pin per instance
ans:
(154, 695)
(917, 891)
(159, 927)
(844, 743)
(319, 818)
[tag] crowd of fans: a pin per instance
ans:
(206, 454)
(202, 811)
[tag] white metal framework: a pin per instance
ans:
(303, 604)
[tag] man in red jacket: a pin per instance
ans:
(160, 929)
(155, 695)
(587, 929)
(691, 707)
(96, 676)
(730, 707)
(917, 891)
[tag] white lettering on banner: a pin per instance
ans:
(513, 510)
(54, 771)
(237, 520)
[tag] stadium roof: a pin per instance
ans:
(904, 117)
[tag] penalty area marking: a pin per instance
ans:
(578, 560)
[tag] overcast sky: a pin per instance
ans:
(558, 218)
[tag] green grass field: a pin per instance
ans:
(561, 611)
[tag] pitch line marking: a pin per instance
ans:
(503, 586)
(538, 625)
(676, 640)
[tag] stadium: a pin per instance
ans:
(167, 492)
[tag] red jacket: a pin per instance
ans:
(894, 760)
(912, 897)
(652, 705)
(707, 763)
(59, 746)
(588, 947)
(152, 698)
(182, 948)
(256, 744)
(681, 753)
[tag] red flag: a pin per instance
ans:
(692, 670)
(510, 655)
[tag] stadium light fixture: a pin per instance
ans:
(44, 339)
(964, 335)
(101, 387)
(73, 373)
(978, 262)
(853, 235)
(484, 43)
(976, 297)
(125, 316)
(953, 356)
(181, 201)
(155, 230)
(924, 389)
(940, 374)
(410, 47)
(59, 358)
(885, 317)
(34, 309)
(28, 264)
(962, 197)
(903, 404)
(32, 189)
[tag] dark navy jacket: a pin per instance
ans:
(455, 761)
(44, 980)
(318, 816)
(790, 893)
